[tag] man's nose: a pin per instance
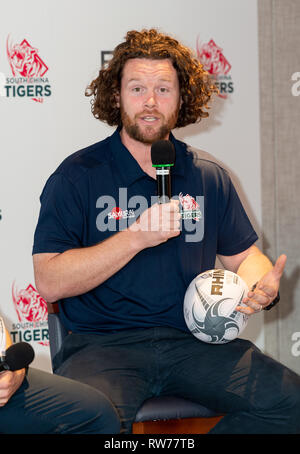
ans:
(150, 100)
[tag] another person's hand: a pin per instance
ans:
(9, 384)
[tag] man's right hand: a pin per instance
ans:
(157, 224)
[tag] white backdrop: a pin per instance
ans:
(69, 36)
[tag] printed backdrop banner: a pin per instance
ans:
(48, 56)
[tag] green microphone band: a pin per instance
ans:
(162, 165)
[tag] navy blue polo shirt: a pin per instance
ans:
(100, 190)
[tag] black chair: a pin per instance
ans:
(155, 409)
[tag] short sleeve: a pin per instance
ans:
(61, 217)
(235, 232)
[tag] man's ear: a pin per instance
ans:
(117, 99)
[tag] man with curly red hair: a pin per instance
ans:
(121, 287)
(196, 88)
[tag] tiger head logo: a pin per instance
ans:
(24, 59)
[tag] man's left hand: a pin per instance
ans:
(266, 289)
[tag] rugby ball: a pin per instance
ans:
(209, 306)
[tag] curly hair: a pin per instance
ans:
(196, 87)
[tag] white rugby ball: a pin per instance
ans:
(209, 306)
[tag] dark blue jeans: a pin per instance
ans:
(257, 394)
(49, 404)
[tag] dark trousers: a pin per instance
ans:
(257, 394)
(49, 404)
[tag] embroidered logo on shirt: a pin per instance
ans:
(190, 208)
(118, 213)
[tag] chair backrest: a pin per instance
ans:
(57, 331)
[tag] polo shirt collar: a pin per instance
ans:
(130, 168)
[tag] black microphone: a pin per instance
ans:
(163, 158)
(17, 356)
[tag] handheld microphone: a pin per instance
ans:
(163, 158)
(17, 357)
(2, 339)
